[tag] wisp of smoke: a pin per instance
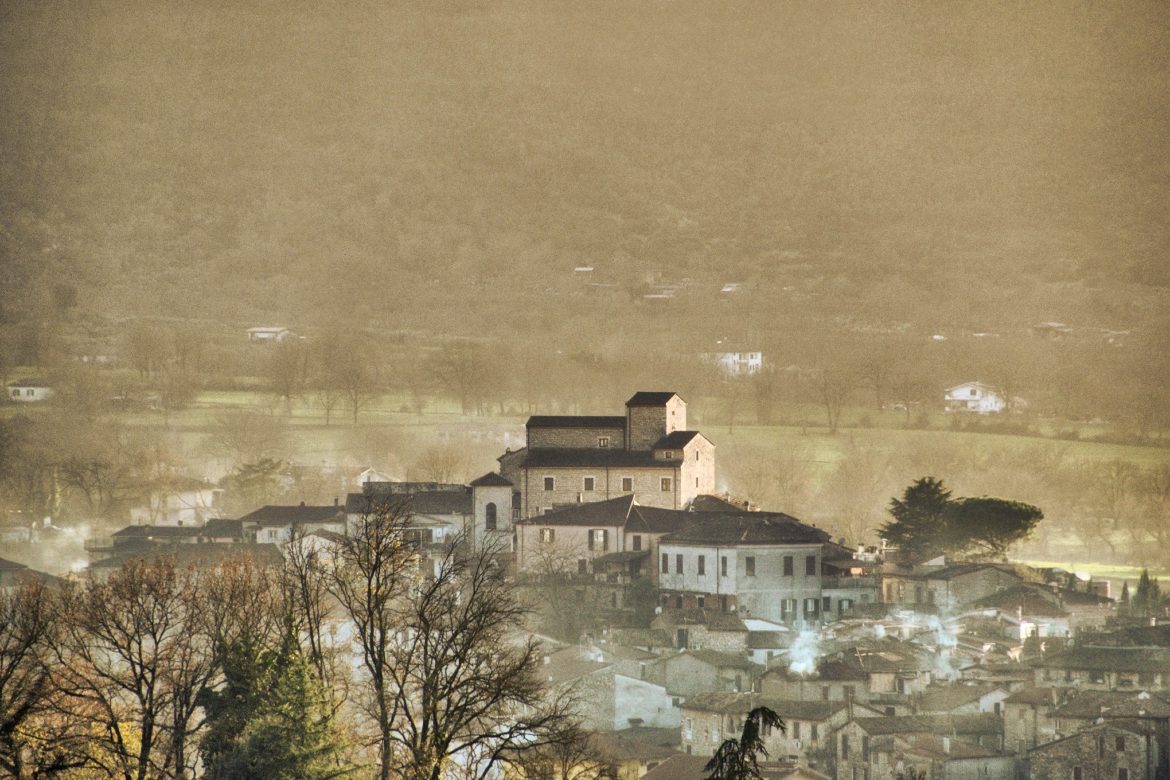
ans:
(803, 653)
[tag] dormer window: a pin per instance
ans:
(669, 454)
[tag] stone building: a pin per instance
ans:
(1113, 750)
(648, 453)
(763, 564)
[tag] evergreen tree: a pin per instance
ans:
(920, 518)
(1123, 600)
(737, 759)
(270, 721)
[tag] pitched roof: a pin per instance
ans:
(1089, 705)
(616, 747)
(613, 512)
(491, 479)
(680, 767)
(961, 569)
(722, 660)
(273, 515)
(982, 723)
(713, 619)
(159, 532)
(651, 398)
(575, 421)
(550, 457)
(1034, 695)
(1032, 600)
(221, 526)
(654, 520)
(1111, 659)
(728, 528)
(707, 503)
(194, 554)
(423, 502)
(951, 697)
(795, 709)
(934, 746)
(675, 440)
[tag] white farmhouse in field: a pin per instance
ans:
(268, 334)
(736, 363)
(29, 391)
(974, 397)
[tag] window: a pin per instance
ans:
(827, 604)
(627, 484)
(669, 455)
(587, 484)
(550, 483)
(1122, 773)
(1121, 744)
(678, 566)
(16, 393)
(582, 566)
(696, 481)
(796, 729)
(548, 535)
(665, 563)
(1077, 773)
(29, 392)
(696, 454)
(490, 517)
(865, 748)
(723, 566)
(603, 441)
(844, 746)
(788, 568)
(700, 601)
(702, 564)
(787, 609)
(810, 608)
(810, 565)
(599, 539)
(812, 731)
(749, 565)
(1097, 676)
(666, 484)
(637, 542)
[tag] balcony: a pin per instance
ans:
(835, 583)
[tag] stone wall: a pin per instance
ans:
(570, 437)
(1096, 753)
(569, 486)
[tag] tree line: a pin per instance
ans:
(364, 657)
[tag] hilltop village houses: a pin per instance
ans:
(689, 609)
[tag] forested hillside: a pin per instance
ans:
(446, 165)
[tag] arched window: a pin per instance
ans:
(490, 520)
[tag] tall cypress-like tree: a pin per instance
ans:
(920, 518)
(270, 720)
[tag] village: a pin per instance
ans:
(672, 612)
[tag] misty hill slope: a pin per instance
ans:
(405, 162)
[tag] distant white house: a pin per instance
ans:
(179, 502)
(29, 391)
(737, 363)
(974, 397)
(266, 334)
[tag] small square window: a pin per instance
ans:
(582, 566)
(547, 535)
(666, 484)
(603, 441)
(627, 484)
(669, 455)
(550, 483)
(588, 484)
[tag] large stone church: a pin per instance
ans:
(647, 452)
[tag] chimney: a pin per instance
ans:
(947, 745)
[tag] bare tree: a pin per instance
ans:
(834, 388)
(33, 743)
(355, 377)
(440, 464)
(464, 684)
(368, 576)
(133, 658)
(287, 371)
